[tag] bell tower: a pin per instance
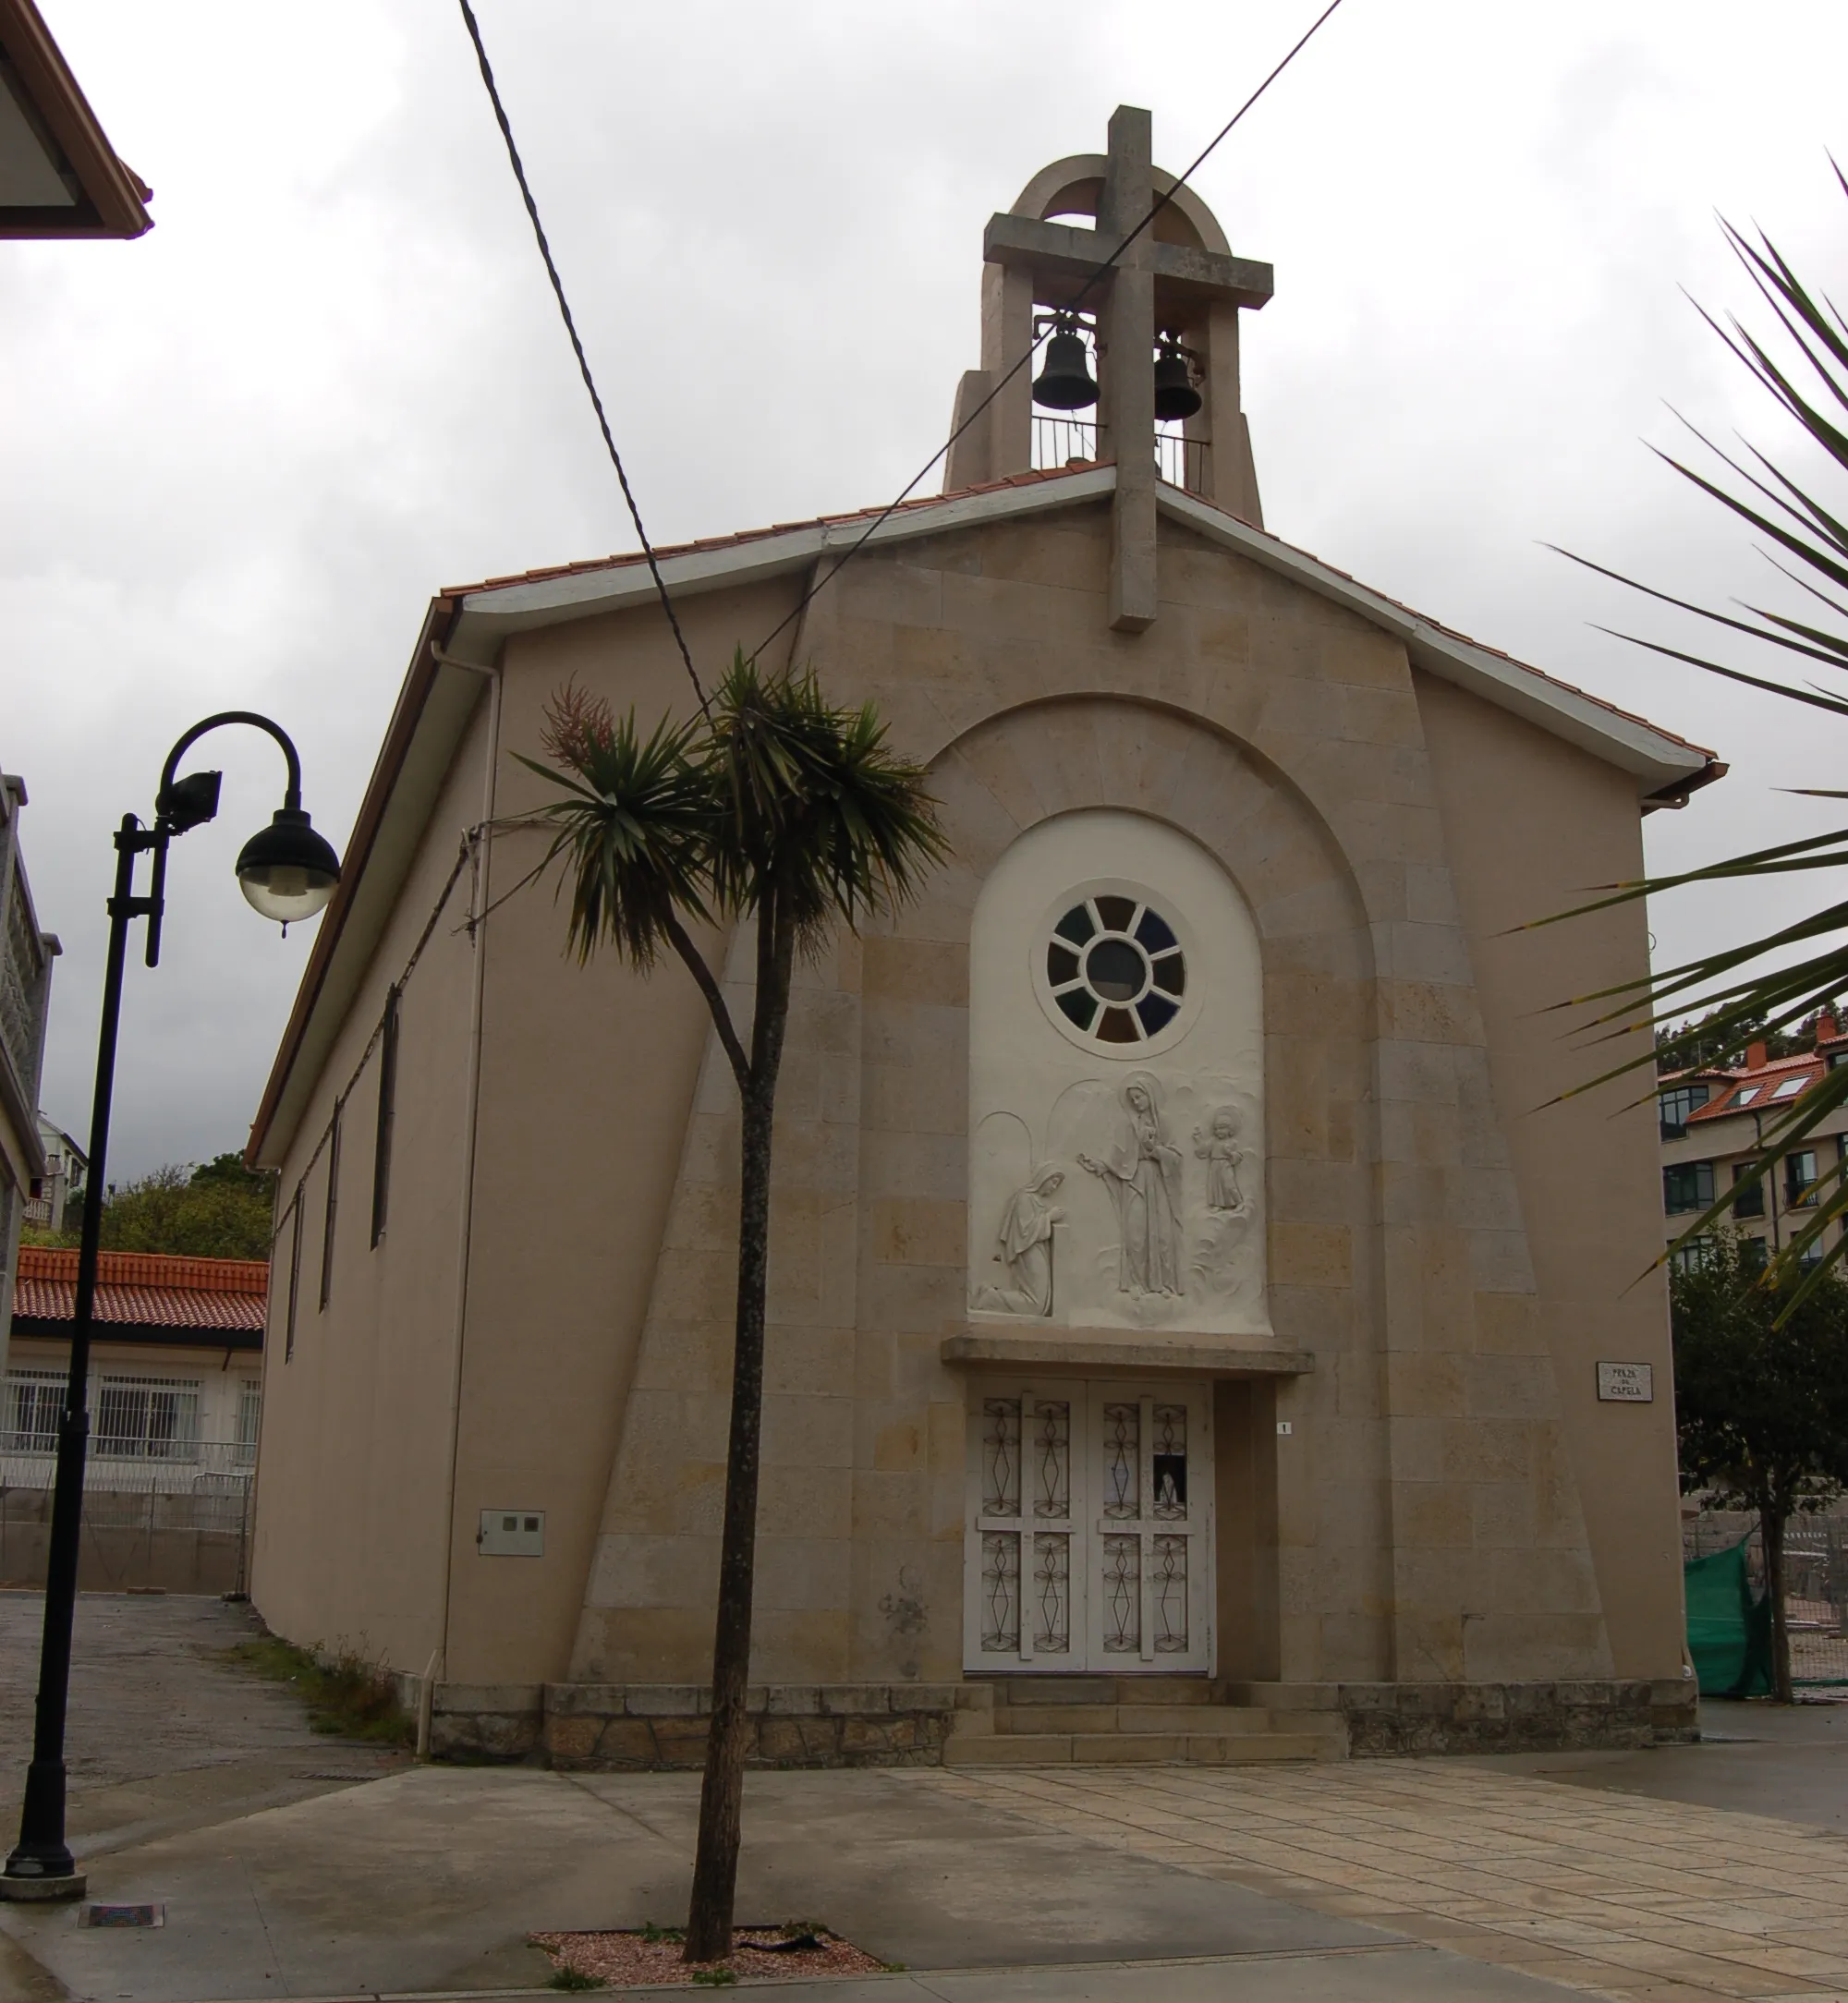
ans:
(1162, 324)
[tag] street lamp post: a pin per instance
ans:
(287, 872)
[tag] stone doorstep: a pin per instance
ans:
(775, 1700)
(1141, 1749)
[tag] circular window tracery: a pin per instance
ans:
(1114, 968)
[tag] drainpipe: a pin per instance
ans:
(1768, 1182)
(438, 1666)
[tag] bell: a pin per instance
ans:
(1065, 382)
(1175, 395)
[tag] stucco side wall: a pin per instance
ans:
(354, 1461)
(1429, 1526)
(1531, 825)
(586, 1084)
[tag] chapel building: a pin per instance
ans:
(1190, 1313)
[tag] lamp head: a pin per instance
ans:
(286, 871)
(189, 802)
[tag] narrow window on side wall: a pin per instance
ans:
(294, 1280)
(388, 1086)
(333, 1204)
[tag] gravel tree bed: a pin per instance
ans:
(652, 1956)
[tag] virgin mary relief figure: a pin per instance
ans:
(1143, 1179)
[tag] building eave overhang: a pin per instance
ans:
(434, 711)
(467, 628)
(110, 199)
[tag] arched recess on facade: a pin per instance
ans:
(1022, 767)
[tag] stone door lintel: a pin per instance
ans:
(1086, 1350)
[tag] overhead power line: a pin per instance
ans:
(577, 344)
(1085, 291)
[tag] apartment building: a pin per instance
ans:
(1713, 1124)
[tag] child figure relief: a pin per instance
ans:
(1220, 1149)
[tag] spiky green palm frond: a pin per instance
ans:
(820, 810)
(1786, 974)
(637, 825)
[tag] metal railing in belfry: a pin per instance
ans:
(1062, 441)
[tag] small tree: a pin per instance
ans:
(1761, 1401)
(771, 806)
(216, 1211)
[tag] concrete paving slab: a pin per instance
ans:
(398, 1885)
(1756, 1758)
(916, 1874)
(1403, 1973)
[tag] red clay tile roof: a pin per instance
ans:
(1765, 1079)
(150, 1288)
(919, 501)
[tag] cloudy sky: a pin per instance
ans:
(239, 455)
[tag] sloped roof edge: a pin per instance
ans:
(1665, 766)
(116, 199)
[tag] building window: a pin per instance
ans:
(1690, 1258)
(1688, 1185)
(1674, 1105)
(1748, 1197)
(147, 1418)
(388, 1092)
(249, 1417)
(1748, 1095)
(1790, 1088)
(34, 1400)
(294, 1277)
(1800, 1177)
(1752, 1252)
(1116, 969)
(1837, 1059)
(333, 1203)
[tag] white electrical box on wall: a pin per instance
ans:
(512, 1534)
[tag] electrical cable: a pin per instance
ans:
(1162, 201)
(577, 346)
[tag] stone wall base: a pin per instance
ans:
(1389, 1719)
(639, 1726)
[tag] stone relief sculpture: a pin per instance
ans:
(1025, 1242)
(1218, 1148)
(1143, 1178)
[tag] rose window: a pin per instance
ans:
(1116, 969)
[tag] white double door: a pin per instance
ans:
(1088, 1528)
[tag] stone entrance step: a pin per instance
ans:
(1132, 1720)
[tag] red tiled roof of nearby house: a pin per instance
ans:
(1754, 1086)
(150, 1289)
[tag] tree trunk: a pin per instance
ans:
(1772, 1517)
(716, 1867)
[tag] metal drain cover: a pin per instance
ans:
(151, 1915)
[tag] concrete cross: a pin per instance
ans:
(1157, 286)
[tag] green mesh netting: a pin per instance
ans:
(1729, 1633)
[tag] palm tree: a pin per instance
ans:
(1766, 986)
(775, 808)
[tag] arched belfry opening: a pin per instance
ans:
(1164, 317)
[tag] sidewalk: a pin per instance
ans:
(296, 1866)
(428, 1881)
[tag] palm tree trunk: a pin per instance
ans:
(716, 1867)
(1771, 1518)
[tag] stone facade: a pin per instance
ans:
(1407, 1490)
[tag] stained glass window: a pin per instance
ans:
(1115, 970)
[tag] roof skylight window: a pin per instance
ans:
(1790, 1088)
(1748, 1095)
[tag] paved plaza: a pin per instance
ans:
(290, 1865)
